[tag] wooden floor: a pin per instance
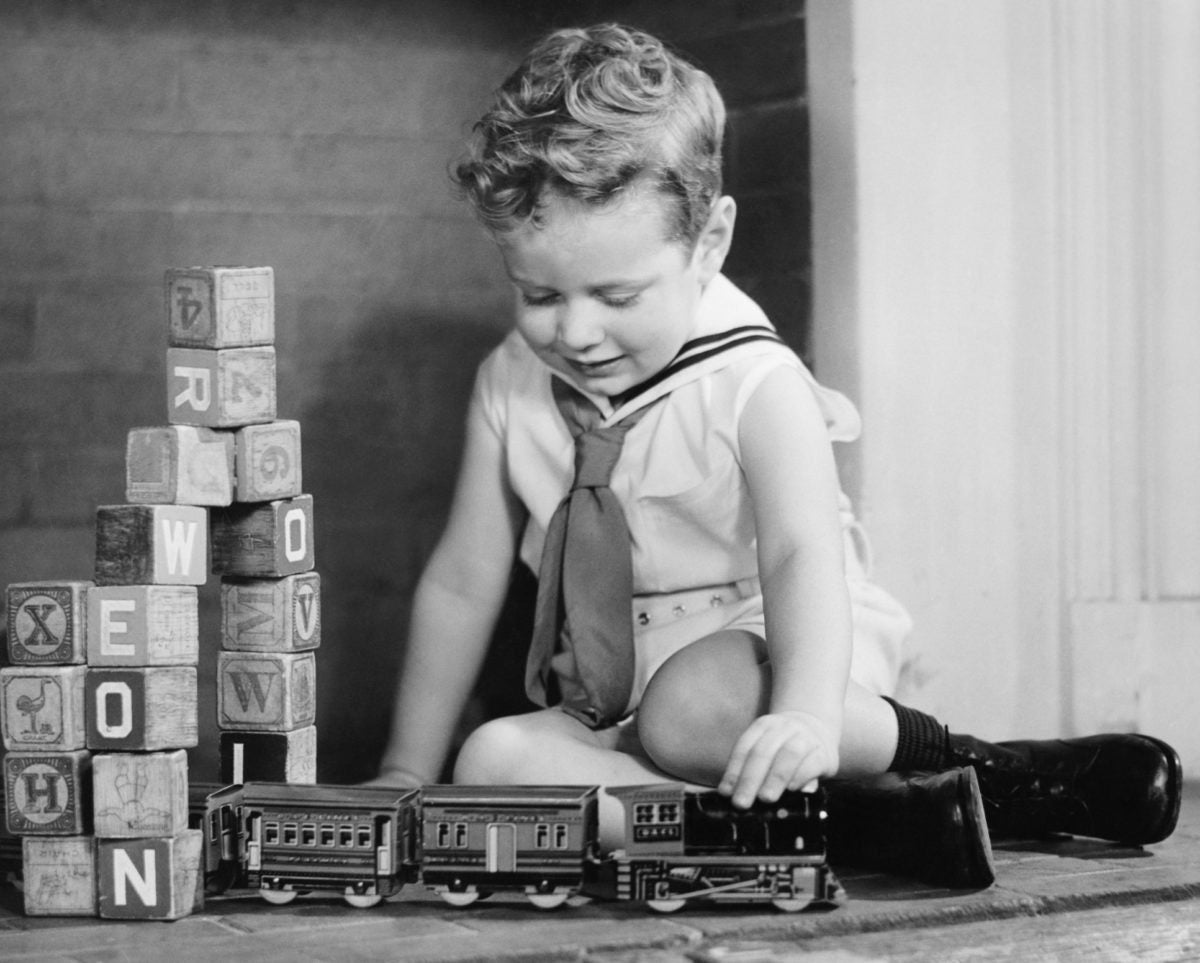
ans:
(1069, 899)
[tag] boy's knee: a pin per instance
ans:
(690, 717)
(492, 753)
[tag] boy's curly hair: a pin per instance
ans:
(586, 113)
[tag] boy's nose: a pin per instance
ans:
(578, 327)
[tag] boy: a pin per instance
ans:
(644, 439)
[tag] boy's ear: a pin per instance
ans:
(713, 244)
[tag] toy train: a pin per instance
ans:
(467, 842)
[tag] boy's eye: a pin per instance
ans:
(537, 300)
(618, 301)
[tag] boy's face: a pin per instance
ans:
(602, 297)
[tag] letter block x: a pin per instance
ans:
(46, 622)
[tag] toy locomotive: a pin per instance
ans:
(467, 842)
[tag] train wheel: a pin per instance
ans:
(665, 905)
(361, 901)
(789, 905)
(279, 897)
(458, 899)
(545, 901)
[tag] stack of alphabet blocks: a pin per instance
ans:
(99, 703)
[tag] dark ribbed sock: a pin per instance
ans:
(923, 743)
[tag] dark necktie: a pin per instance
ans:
(583, 625)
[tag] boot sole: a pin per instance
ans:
(981, 867)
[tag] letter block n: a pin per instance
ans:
(152, 878)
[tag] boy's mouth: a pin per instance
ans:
(593, 369)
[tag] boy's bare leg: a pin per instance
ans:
(551, 747)
(706, 695)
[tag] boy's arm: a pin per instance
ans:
(457, 601)
(792, 477)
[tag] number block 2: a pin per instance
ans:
(220, 389)
(221, 307)
(265, 539)
(153, 878)
(46, 622)
(151, 545)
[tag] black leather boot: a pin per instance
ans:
(928, 826)
(1124, 788)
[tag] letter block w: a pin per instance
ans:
(151, 545)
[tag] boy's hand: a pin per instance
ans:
(781, 750)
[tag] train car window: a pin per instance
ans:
(326, 835)
(560, 836)
(271, 833)
(643, 813)
(308, 835)
(460, 835)
(668, 812)
(214, 825)
(289, 834)
(541, 836)
(443, 835)
(346, 836)
(365, 837)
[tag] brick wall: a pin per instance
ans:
(312, 137)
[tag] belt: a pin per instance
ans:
(666, 606)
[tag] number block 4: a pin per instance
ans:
(267, 539)
(154, 878)
(221, 307)
(266, 692)
(271, 614)
(179, 465)
(220, 389)
(151, 545)
(46, 622)
(136, 710)
(143, 625)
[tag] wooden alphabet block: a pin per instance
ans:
(139, 794)
(59, 875)
(154, 878)
(268, 461)
(220, 389)
(221, 307)
(42, 707)
(47, 622)
(151, 545)
(271, 614)
(48, 793)
(143, 625)
(269, 756)
(132, 710)
(268, 539)
(266, 692)
(179, 465)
